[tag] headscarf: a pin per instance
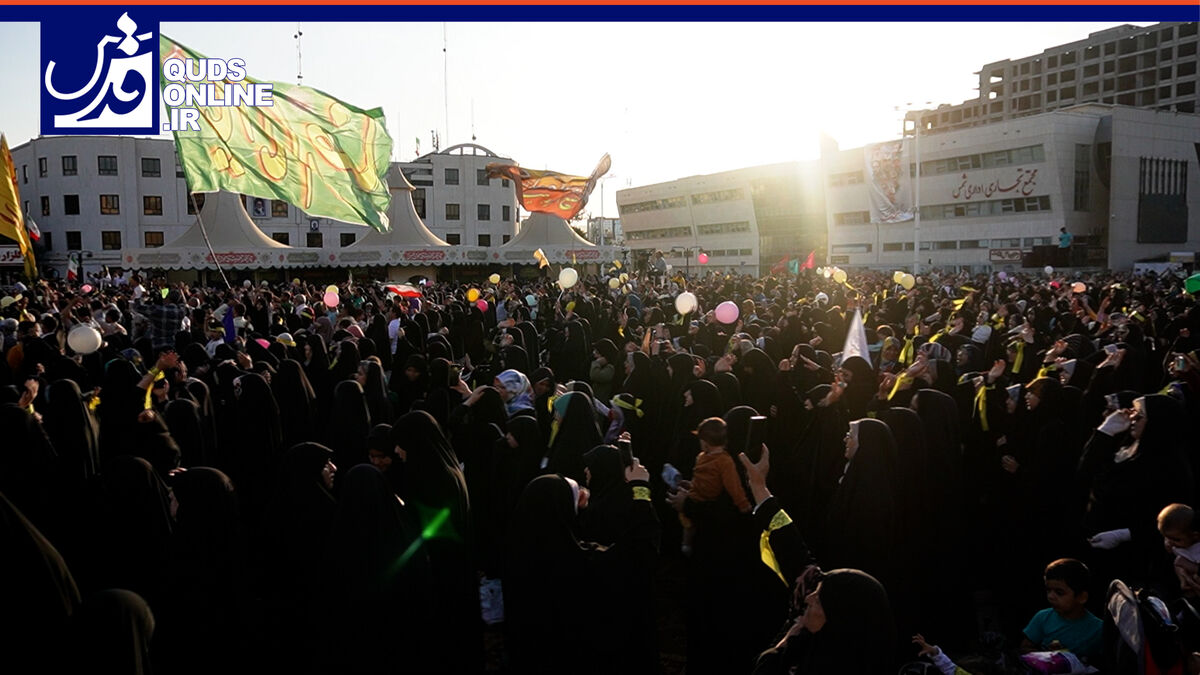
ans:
(575, 433)
(520, 392)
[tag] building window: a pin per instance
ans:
(733, 194)
(151, 205)
(973, 243)
(483, 211)
(48, 240)
(481, 177)
(661, 233)
(151, 167)
(848, 178)
(25, 209)
(282, 237)
(852, 218)
(505, 213)
(110, 240)
(107, 165)
(179, 170)
(313, 240)
(452, 212)
(892, 247)
(1083, 155)
(69, 166)
(195, 201)
(505, 238)
(945, 245)
(454, 238)
(504, 182)
(45, 205)
(74, 240)
(850, 248)
(25, 172)
(41, 167)
(110, 205)
(71, 205)
(655, 205)
(153, 239)
(419, 201)
(485, 240)
(279, 208)
(451, 176)
(346, 238)
(724, 228)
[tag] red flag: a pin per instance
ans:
(780, 266)
(808, 262)
(549, 191)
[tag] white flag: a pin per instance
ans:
(856, 339)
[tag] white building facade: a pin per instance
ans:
(1123, 181)
(456, 199)
(743, 220)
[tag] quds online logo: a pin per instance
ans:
(98, 73)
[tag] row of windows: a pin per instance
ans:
(481, 177)
(106, 165)
(482, 212)
(660, 233)
(724, 228)
(455, 238)
(847, 178)
(728, 252)
(653, 205)
(730, 195)
(993, 207)
(852, 218)
(963, 244)
(986, 160)
(110, 205)
(1127, 45)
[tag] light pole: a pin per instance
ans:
(917, 124)
(603, 180)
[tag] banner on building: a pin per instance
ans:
(888, 182)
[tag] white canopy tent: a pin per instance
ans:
(561, 244)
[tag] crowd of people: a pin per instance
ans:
(515, 477)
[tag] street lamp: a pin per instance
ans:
(917, 124)
(603, 180)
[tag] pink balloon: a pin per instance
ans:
(331, 299)
(86, 288)
(727, 312)
(703, 257)
(482, 305)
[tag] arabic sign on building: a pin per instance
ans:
(1005, 255)
(1022, 183)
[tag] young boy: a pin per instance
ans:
(1066, 624)
(1176, 524)
(713, 474)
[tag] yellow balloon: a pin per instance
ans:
(624, 277)
(614, 283)
(473, 295)
(839, 275)
(331, 288)
(897, 276)
(617, 264)
(908, 281)
(494, 279)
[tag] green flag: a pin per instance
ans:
(320, 154)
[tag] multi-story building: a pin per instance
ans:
(744, 220)
(605, 231)
(96, 195)
(1151, 67)
(1123, 181)
(456, 199)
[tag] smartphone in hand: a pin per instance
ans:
(756, 437)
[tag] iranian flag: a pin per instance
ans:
(72, 268)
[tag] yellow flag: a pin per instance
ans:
(12, 220)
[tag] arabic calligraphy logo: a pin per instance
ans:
(118, 94)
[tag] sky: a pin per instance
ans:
(666, 100)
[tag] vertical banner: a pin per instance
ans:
(888, 182)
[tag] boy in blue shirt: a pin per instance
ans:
(1066, 624)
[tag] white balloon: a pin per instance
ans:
(568, 277)
(1048, 269)
(84, 339)
(685, 303)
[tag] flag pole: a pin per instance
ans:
(204, 233)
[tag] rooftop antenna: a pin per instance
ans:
(472, 120)
(299, 55)
(445, 79)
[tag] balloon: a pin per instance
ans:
(331, 288)
(827, 272)
(164, 293)
(1079, 287)
(296, 282)
(331, 299)
(568, 277)
(531, 300)
(839, 275)
(908, 281)
(685, 303)
(86, 288)
(494, 279)
(1049, 269)
(482, 305)
(703, 258)
(473, 295)
(727, 312)
(247, 283)
(84, 339)
(624, 277)
(617, 264)
(897, 276)
(614, 283)
(1002, 275)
